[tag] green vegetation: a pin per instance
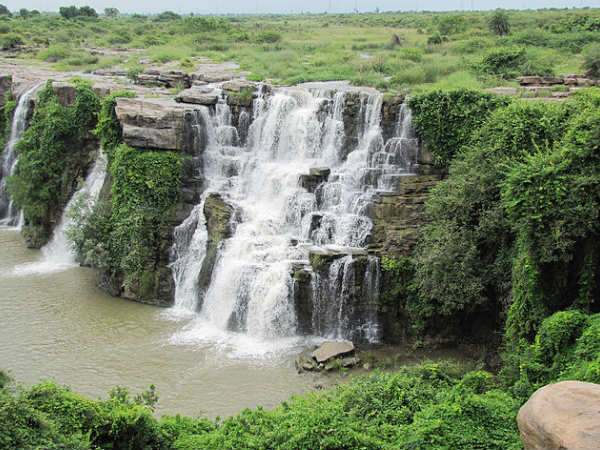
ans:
(6, 115)
(390, 51)
(513, 231)
(52, 157)
(121, 236)
(433, 405)
(109, 128)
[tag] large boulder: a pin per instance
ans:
(151, 123)
(330, 350)
(564, 415)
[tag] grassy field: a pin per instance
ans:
(389, 51)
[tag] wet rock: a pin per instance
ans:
(197, 96)
(315, 177)
(564, 415)
(350, 362)
(302, 295)
(330, 350)
(218, 215)
(305, 361)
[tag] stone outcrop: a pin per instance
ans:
(330, 350)
(564, 415)
(66, 92)
(316, 176)
(328, 356)
(569, 80)
(398, 216)
(218, 215)
(151, 123)
(390, 109)
(198, 96)
(164, 78)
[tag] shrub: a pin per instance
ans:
(591, 61)
(109, 127)
(510, 62)
(268, 37)
(558, 332)
(498, 23)
(11, 41)
(445, 120)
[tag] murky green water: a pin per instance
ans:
(60, 326)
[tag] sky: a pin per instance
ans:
(293, 6)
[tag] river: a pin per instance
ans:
(59, 326)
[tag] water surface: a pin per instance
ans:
(60, 326)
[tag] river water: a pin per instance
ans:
(59, 326)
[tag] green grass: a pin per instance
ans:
(295, 48)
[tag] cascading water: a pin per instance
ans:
(296, 134)
(58, 255)
(9, 215)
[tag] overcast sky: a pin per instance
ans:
(293, 6)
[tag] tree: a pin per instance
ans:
(23, 13)
(111, 12)
(68, 12)
(4, 11)
(498, 23)
(87, 11)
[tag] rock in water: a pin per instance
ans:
(564, 415)
(330, 350)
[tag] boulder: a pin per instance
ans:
(151, 123)
(198, 96)
(330, 350)
(564, 415)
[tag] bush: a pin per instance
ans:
(445, 120)
(591, 61)
(11, 41)
(268, 37)
(557, 333)
(109, 127)
(510, 62)
(498, 23)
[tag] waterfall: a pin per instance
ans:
(9, 215)
(58, 255)
(294, 192)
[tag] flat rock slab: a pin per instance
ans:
(198, 96)
(564, 415)
(330, 350)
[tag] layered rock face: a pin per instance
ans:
(396, 208)
(564, 415)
